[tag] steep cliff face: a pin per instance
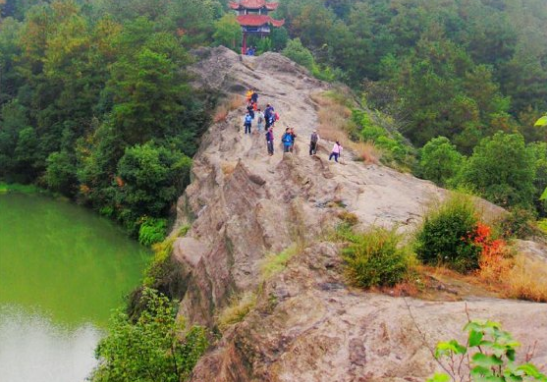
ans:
(243, 204)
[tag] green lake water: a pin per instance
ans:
(63, 270)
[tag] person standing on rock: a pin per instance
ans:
(260, 120)
(254, 97)
(249, 95)
(336, 151)
(268, 115)
(313, 142)
(270, 141)
(250, 110)
(247, 121)
(287, 140)
(293, 137)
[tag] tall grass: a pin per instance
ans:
(336, 124)
(527, 280)
(234, 102)
(237, 311)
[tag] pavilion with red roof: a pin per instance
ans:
(253, 17)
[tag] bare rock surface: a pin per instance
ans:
(243, 204)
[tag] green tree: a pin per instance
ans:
(147, 94)
(60, 174)
(152, 178)
(299, 54)
(440, 161)
(228, 32)
(502, 170)
(149, 349)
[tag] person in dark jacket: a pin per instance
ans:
(270, 141)
(250, 110)
(313, 142)
(268, 113)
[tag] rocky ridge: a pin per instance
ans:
(308, 325)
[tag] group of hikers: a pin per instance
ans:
(265, 121)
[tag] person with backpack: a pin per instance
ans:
(336, 151)
(254, 97)
(275, 118)
(268, 115)
(250, 110)
(247, 122)
(287, 140)
(270, 141)
(249, 95)
(260, 120)
(313, 142)
(293, 137)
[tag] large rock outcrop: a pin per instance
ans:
(307, 324)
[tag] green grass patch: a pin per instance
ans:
(183, 230)
(237, 311)
(276, 263)
(158, 269)
(152, 230)
(21, 188)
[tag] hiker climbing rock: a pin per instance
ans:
(247, 122)
(270, 141)
(254, 97)
(336, 151)
(313, 142)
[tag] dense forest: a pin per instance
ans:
(95, 101)
(96, 105)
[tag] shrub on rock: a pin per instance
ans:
(447, 236)
(376, 259)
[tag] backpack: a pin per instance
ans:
(276, 117)
(287, 138)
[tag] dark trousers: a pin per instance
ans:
(335, 155)
(286, 148)
(247, 128)
(313, 148)
(270, 147)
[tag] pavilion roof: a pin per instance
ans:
(258, 20)
(253, 4)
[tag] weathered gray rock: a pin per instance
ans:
(307, 325)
